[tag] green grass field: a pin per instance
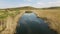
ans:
(4, 14)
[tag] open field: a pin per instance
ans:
(4, 14)
(11, 16)
(51, 16)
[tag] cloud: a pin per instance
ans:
(34, 3)
(40, 3)
(28, 0)
(47, 4)
(57, 3)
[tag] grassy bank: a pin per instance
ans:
(52, 16)
(3, 18)
(4, 14)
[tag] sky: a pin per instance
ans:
(33, 3)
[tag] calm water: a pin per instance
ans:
(30, 24)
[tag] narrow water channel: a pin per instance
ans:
(30, 24)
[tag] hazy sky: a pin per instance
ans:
(34, 3)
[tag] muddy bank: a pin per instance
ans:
(11, 24)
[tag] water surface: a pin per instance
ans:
(30, 24)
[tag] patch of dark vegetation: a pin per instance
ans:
(2, 25)
(38, 17)
(28, 11)
(54, 31)
(52, 8)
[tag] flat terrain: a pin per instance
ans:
(50, 16)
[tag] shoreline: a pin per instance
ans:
(50, 19)
(11, 24)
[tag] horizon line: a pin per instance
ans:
(27, 6)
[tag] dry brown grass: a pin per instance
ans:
(53, 16)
